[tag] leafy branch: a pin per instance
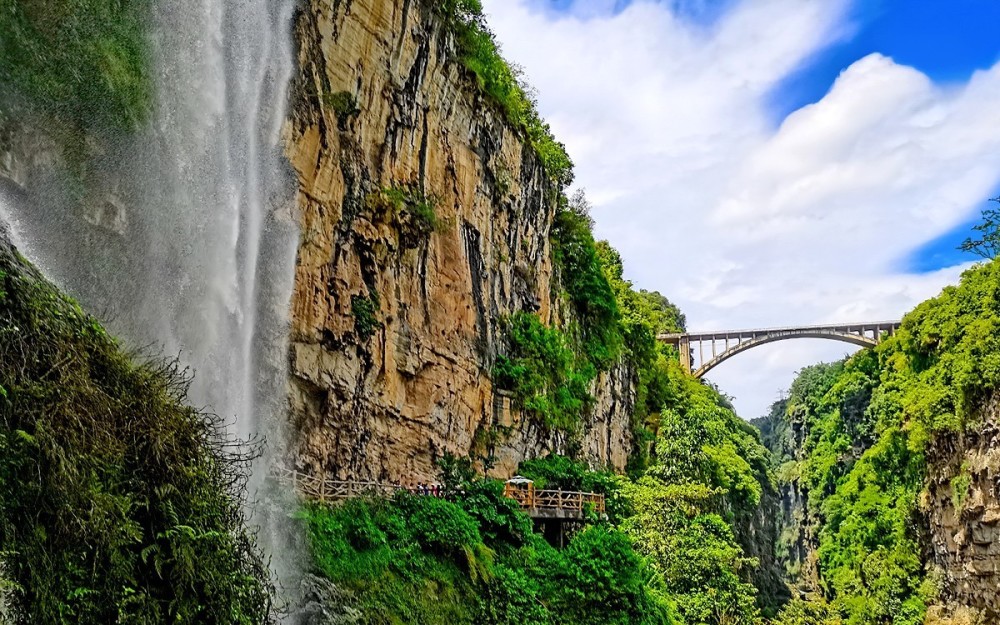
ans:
(988, 244)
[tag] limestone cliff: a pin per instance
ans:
(962, 505)
(796, 526)
(425, 222)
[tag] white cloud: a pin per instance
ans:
(742, 224)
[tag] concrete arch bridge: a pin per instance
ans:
(701, 352)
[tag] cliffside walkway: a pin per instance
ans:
(723, 345)
(560, 505)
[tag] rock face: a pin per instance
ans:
(795, 527)
(963, 510)
(396, 314)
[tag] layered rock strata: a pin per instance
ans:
(397, 312)
(962, 503)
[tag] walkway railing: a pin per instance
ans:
(330, 491)
(564, 500)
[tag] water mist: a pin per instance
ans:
(186, 239)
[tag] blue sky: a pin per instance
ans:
(773, 162)
(946, 41)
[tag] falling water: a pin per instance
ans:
(186, 240)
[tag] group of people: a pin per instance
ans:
(432, 490)
(429, 490)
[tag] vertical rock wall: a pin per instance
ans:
(380, 102)
(962, 504)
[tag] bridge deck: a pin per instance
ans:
(755, 332)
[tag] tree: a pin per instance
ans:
(989, 244)
(580, 206)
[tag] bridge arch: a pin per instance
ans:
(692, 346)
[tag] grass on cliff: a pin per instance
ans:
(84, 61)
(503, 83)
(118, 503)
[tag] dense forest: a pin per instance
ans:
(858, 439)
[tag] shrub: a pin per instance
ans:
(599, 579)
(798, 612)
(555, 471)
(512, 598)
(500, 519)
(343, 103)
(408, 209)
(439, 525)
(367, 547)
(542, 373)
(365, 311)
(85, 61)
(960, 488)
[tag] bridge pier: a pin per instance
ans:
(684, 349)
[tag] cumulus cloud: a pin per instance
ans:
(741, 223)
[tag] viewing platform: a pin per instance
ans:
(555, 505)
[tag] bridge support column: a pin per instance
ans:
(684, 346)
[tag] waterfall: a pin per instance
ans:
(186, 238)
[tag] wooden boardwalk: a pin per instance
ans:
(538, 504)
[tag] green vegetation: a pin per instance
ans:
(867, 425)
(689, 514)
(365, 311)
(960, 488)
(582, 276)
(694, 505)
(672, 549)
(550, 370)
(343, 103)
(800, 612)
(562, 472)
(423, 560)
(407, 208)
(988, 243)
(118, 503)
(85, 62)
(644, 315)
(543, 373)
(480, 53)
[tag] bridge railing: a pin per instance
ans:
(569, 501)
(330, 491)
